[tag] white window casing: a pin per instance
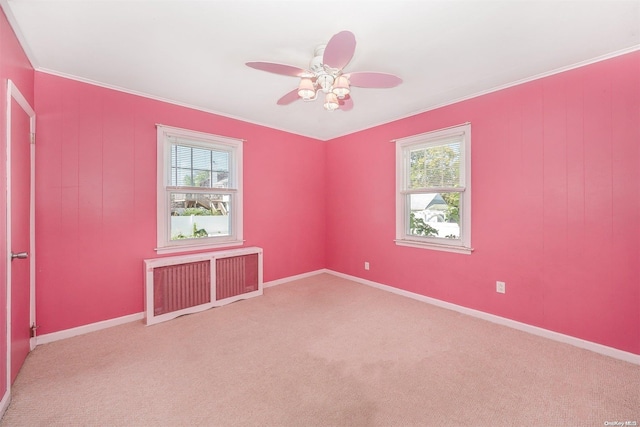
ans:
(229, 194)
(457, 140)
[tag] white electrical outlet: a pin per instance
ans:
(366, 265)
(501, 287)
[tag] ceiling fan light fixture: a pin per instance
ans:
(331, 102)
(325, 81)
(325, 74)
(306, 90)
(341, 87)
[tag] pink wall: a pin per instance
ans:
(556, 202)
(556, 205)
(14, 65)
(96, 197)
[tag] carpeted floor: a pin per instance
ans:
(321, 351)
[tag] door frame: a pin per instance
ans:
(13, 93)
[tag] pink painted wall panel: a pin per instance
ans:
(556, 205)
(96, 195)
(598, 214)
(626, 192)
(14, 65)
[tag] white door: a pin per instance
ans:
(20, 242)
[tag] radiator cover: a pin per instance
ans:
(179, 285)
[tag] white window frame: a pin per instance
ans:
(165, 136)
(403, 147)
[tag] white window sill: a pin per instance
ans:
(435, 246)
(196, 247)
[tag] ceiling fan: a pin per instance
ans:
(326, 75)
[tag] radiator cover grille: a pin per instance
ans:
(185, 284)
(180, 286)
(236, 275)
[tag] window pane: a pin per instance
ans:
(199, 167)
(435, 166)
(201, 158)
(181, 156)
(220, 169)
(434, 215)
(195, 216)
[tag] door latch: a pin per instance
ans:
(19, 255)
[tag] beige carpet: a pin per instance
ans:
(321, 351)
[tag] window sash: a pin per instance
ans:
(187, 227)
(439, 231)
(408, 148)
(439, 159)
(190, 158)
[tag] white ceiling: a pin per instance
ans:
(193, 52)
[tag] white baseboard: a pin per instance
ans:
(555, 336)
(567, 339)
(85, 329)
(4, 403)
(292, 278)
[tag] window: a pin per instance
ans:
(433, 202)
(199, 190)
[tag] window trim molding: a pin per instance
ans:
(461, 245)
(165, 245)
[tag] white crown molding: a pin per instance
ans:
(161, 99)
(530, 79)
(424, 110)
(415, 113)
(505, 86)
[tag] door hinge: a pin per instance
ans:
(33, 330)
